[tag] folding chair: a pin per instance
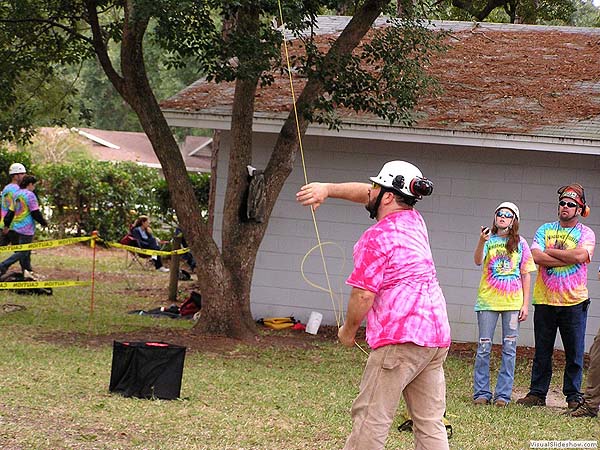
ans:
(132, 258)
(144, 261)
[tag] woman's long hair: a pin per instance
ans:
(139, 221)
(512, 244)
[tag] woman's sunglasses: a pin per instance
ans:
(569, 204)
(506, 214)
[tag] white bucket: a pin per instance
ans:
(314, 321)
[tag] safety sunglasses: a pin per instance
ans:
(374, 185)
(569, 204)
(506, 214)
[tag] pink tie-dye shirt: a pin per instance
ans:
(393, 260)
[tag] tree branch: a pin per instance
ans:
(479, 14)
(100, 48)
(282, 160)
(235, 234)
(53, 24)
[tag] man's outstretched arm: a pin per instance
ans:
(314, 194)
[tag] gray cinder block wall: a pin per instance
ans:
(469, 183)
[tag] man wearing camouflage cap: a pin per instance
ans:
(562, 250)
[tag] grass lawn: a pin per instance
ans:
(289, 390)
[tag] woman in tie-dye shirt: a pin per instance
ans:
(503, 292)
(21, 217)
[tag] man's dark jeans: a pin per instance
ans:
(570, 321)
(24, 257)
(11, 238)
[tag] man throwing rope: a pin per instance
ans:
(394, 285)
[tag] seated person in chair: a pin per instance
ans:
(141, 232)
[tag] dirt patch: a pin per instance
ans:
(196, 342)
(10, 307)
(266, 338)
(554, 399)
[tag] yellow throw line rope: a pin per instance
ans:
(316, 286)
(312, 211)
(337, 313)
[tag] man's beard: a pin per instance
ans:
(373, 204)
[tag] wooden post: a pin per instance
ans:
(174, 269)
(93, 244)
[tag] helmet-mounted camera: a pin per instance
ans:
(404, 178)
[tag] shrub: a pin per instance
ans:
(90, 195)
(95, 195)
(201, 184)
(7, 157)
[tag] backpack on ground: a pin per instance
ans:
(191, 305)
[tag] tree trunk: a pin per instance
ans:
(241, 238)
(214, 165)
(222, 293)
(225, 276)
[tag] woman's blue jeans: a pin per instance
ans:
(510, 332)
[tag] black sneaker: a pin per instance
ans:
(574, 404)
(531, 400)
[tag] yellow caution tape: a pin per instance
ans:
(44, 244)
(40, 284)
(68, 241)
(145, 251)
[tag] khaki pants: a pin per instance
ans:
(394, 370)
(592, 390)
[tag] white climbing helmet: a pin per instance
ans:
(404, 178)
(509, 205)
(16, 169)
